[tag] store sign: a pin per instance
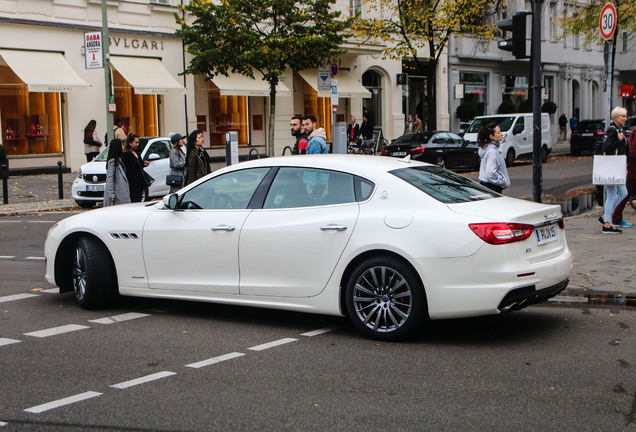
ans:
(93, 50)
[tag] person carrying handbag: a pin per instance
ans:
(92, 143)
(176, 178)
(614, 144)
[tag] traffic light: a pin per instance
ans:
(516, 25)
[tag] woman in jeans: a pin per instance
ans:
(614, 144)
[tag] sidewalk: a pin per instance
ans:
(602, 266)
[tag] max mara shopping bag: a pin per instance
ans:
(609, 170)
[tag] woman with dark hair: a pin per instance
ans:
(91, 141)
(492, 170)
(134, 167)
(198, 161)
(116, 190)
(177, 161)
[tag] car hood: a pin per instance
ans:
(506, 209)
(102, 220)
(94, 167)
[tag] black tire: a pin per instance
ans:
(632, 201)
(86, 204)
(385, 299)
(544, 154)
(440, 161)
(93, 274)
(510, 157)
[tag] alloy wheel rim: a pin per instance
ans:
(382, 299)
(79, 274)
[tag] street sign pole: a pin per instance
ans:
(537, 169)
(107, 84)
(607, 28)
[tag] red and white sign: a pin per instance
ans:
(607, 22)
(93, 50)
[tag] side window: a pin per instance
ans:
(306, 187)
(456, 139)
(162, 148)
(519, 126)
(365, 188)
(441, 138)
(233, 190)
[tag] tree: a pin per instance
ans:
(406, 26)
(269, 36)
(584, 20)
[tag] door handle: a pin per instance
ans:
(333, 228)
(225, 228)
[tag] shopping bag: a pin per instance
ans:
(609, 170)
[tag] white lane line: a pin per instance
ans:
(7, 341)
(3, 423)
(320, 331)
(214, 360)
(34, 258)
(16, 297)
(42, 221)
(143, 380)
(119, 318)
(272, 344)
(61, 402)
(51, 291)
(7, 257)
(56, 330)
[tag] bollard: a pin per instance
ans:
(4, 173)
(60, 183)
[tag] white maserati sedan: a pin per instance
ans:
(388, 242)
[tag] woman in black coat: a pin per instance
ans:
(134, 167)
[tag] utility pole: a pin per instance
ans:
(110, 99)
(537, 169)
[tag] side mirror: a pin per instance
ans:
(153, 156)
(171, 201)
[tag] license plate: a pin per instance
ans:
(398, 154)
(588, 134)
(546, 234)
(95, 188)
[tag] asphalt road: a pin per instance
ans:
(153, 365)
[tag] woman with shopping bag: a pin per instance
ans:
(613, 145)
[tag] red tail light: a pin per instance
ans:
(600, 133)
(418, 149)
(501, 232)
(574, 134)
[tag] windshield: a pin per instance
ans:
(103, 156)
(505, 123)
(444, 185)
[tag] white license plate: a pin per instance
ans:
(588, 134)
(95, 188)
(546, 234)
(398, 154)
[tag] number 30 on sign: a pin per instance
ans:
(607, 23)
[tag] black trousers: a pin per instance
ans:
(493, 187)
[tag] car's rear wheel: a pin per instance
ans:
(510, 158)
(385, 298)
(440, 161)
(93, 274)
(544, 154)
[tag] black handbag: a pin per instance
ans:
(148, 180)
(174, 180)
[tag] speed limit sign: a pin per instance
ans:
(607, 22)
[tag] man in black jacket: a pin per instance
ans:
(353, 130)
(300, 146)
(366, 130)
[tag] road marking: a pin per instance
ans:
(214, 360)
(3, 423)
(272, 344)
(56, 330)
(7, 257)
(51, 291)
(16, 297)
(119, 318)
(7, 341)
(320, 331)
(61, 402)
(34, 258)
(144, 379)
(42, 221)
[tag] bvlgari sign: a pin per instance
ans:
(93, 50)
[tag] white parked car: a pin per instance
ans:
(517, 140)
(389, 244)
(88, 187)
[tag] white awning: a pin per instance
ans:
(348, 86)
(147, 75)
(47, 72)
(240, 85)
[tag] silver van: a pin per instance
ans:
(517, 135)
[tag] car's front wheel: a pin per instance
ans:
(510, 158)
(544, 154)
(385, 298)
(93, 273)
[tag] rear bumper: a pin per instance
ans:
(526, 296)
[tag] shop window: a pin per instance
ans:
(30, 120)
(319, 107)
(227, 113)
(138, 113)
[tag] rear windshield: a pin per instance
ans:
(444, 185)
(591, 126)
(505, 123)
